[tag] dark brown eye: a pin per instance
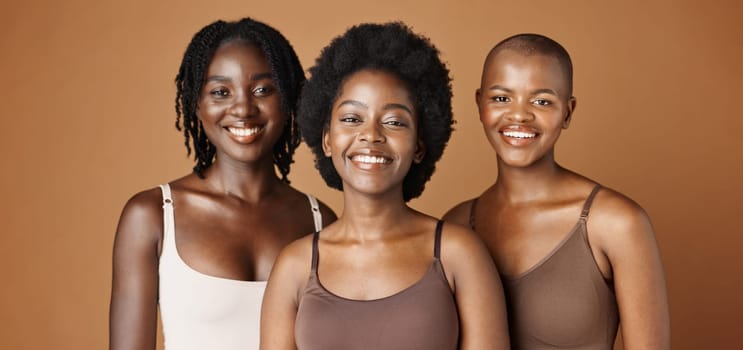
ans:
(395, 123)
(263, 90)
(349, 118)
(220, 93)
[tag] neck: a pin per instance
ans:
(373, 217)
(249, 182)
(532, 183)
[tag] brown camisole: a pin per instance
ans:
(563, 302)
(422, 316)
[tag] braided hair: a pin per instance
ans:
(286, 72)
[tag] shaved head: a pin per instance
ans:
(536, 44)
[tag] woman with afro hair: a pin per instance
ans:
(237, 91)
(376, 112)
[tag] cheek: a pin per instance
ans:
(338, 163)
(406, 146)
(272, 105)
(335, 143)
(207, 112)
(337, 153)
(556, 120)
(490, 116)
(279, 119)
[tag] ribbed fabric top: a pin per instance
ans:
(199, 311)
(422, 316)
(563, 302)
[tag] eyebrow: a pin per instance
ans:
(254, 77)
(386, 107)
(261, 76)
(535, 92)
(219, 78)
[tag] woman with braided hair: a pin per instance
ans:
(237, 91)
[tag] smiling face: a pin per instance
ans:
(372, 137)
(524, 103)
(239, 104)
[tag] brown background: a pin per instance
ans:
(87, 106)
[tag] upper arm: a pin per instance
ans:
(460, 214)
(478, 290)
(133, 309)
(281, 300)
(627, 239)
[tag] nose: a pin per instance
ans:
(243, 106)
(371, 132)
(520, 113)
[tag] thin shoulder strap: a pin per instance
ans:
(437, 240)
(168, 219)
(589, 201)
(472, 213)
(316, 214)
(315, 238)
(167, 197)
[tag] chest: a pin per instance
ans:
(563, 304)
(518, 238)
(421, 316)
(373, 271)
(235, 242)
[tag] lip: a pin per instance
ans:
(244, 133)
(518, 135)
(368, 159)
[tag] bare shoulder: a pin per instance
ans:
(295, 259)
(290, 273)
(298, 252)
(459, 239)
(145, 200)
(462, 248)
(465, 259)
(615, 220)
(460, 213)
(611, 208)
(142, 215)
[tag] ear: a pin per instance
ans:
(420, 151)
(477, 98)
(569, 113)
(326, 141)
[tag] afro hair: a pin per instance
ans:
(393, 48)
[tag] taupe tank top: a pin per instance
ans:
(563, 302)
(422, 316)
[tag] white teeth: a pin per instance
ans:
(243, 131)
(370, 159)
(519, 134)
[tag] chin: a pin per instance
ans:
(372, 188)
(519, 162)
(248, 156)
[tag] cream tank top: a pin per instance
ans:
(199, 311)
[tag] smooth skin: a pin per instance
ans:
(380, 246)
(535, 202)
(231, 224)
